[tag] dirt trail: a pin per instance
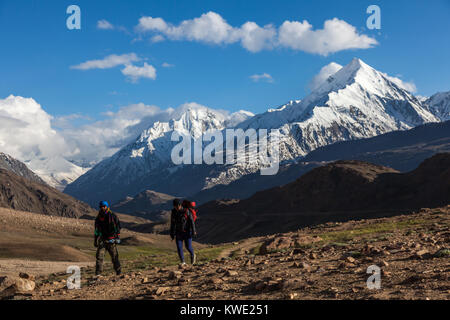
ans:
(240, 248)
(13, 266)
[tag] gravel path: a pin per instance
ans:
(11, 266)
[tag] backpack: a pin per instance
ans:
(190, 205)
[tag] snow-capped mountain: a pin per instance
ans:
(57, 171)
(149, 156)
(356, 102)
(439, 105)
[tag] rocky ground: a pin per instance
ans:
(329, 261)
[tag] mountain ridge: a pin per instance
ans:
(339, 191)
(356, 102)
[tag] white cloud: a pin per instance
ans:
(408, 86)
(134, 72)
(210, 27)
(26, 131)
(110, 61)
(336, 35)
(254, 38)
(323, 75)
(261, 77)
(104, 25)
(157, 38)
(97, 140)
(167, 65)
(66, 121)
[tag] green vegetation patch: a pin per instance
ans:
(383, 227)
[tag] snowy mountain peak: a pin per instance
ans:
(439, 105)
(355, 72)
(193, 120)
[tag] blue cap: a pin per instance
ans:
(103, 203)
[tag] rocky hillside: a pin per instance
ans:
(9, 163)
(19, 193)
(338, 191)
(329, 261)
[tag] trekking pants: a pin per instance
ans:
(187, 239)
(112, 250)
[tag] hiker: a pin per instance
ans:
(182, 227)
(107, 235)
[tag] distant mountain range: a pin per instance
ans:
(147, 204)
(401, 150)
(356, 102)
(338, 191)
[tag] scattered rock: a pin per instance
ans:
(28, 276)
(261, 285)
(231, 273)
(174, 275)
(215, 281)
(162, 290)
(421, 254)
(313, 255)
(9, 286)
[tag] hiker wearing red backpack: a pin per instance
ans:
(182, 227)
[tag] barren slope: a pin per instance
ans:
(326, 262)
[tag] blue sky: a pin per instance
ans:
(37, 52)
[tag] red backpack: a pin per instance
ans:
(190, 205)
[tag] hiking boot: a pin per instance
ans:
(193, 258)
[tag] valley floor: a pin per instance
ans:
(328, 261)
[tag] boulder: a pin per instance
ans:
(10, 285)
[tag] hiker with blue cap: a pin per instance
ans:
(106, 236)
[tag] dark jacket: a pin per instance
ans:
(107, 225)
(181, 222)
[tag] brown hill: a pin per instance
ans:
(149, 204)
(22, 194)
(338, 191)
